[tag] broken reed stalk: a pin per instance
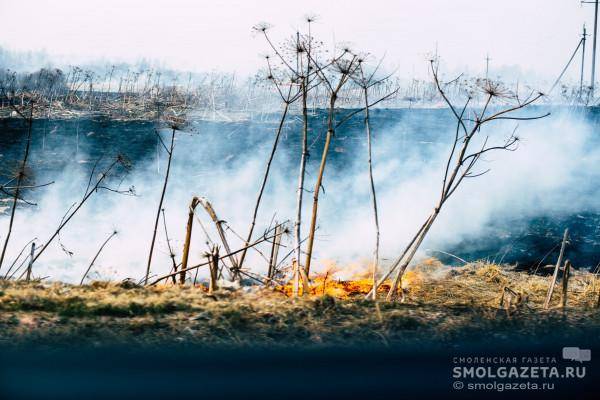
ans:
(264, 238)
(162, 198)
(556, 268)
(264, 183)
(114, 233)
(30, 265)
(20, 178)
(188, 238)
(301, 76)
(219, 225)
(565, 283)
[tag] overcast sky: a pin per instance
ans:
(536, 35)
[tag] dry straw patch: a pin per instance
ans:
(429, 283)
(482, 284)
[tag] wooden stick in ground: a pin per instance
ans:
(556, 268)
(214, 269)
(565, 282)
(274, 252)
(304, 279)
(30, 266)
(295, 287)
(188, 238)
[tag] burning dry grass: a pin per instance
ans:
(440, 304)
(477, 284)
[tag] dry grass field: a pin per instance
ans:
(440, 304)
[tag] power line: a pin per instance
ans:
(566, 66)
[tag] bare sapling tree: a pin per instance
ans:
(169, 151)
(365, 83)
(21, 174)
(467, 149)
(303, 75)
(175, 125)
(287, 96)
(334, 76)
(306, 75)
(20, 178)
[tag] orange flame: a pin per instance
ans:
(359, 284)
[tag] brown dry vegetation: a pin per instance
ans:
(440, 304)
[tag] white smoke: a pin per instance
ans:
(554, 169)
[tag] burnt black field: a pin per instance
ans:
(423, 135)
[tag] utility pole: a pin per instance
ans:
(582, 61)
(593, 79)
(487, 66)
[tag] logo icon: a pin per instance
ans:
(576, 354)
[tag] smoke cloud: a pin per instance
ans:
(554, 171)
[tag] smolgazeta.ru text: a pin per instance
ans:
(518, 372)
